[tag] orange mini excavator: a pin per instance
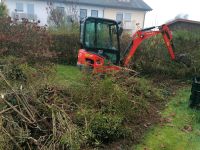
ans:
(100, 45)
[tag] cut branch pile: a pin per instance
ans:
(36, 122)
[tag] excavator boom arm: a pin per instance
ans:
(144, 34)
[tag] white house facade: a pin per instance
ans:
(129, 12)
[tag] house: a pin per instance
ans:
(184, 24)
(130, 12)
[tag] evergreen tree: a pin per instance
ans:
(3, 10)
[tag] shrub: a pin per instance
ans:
(24, 40)
(11, 69)
(107, 128)
(101, 127)
(114, 102)
(152, 56)
(34, 44)
(125, 39)
(65, 46)
(19, 72)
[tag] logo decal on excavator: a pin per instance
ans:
(88, 55)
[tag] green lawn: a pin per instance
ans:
(166, 136)
(182, 132)
(67, 74)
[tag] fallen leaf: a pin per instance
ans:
(187, 128)
(146, 148)
(147, 125)
(172, 115)
(162, 146)
(170, 125)
(166, 120)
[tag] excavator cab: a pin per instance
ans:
(99, 40)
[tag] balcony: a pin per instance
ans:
(21, 15)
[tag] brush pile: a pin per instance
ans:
(37, 119)
(93, 113)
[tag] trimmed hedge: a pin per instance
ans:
(24, 40)
(152, 57)
(65, 46)
(33, 43)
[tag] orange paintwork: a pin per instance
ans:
(98, 64)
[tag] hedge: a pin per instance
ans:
(24, 40)
(65, 46)
(152, 56)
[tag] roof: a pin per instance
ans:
(100, 19)
(131, 5)
(183, 20)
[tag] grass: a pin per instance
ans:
(67, 74)
(168, 137)
(171, 136)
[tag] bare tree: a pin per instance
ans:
(179, 16)
(58, 16)
(182, 16)
(72, 10)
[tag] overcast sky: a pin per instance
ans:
(167, 10)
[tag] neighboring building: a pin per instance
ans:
(130, 12)
(184, 24)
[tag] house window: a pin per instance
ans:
(127, 17)
(94, 13)
(30, 9)
(61, 10)
(83, 13)
(19, 7)
(119, 17)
